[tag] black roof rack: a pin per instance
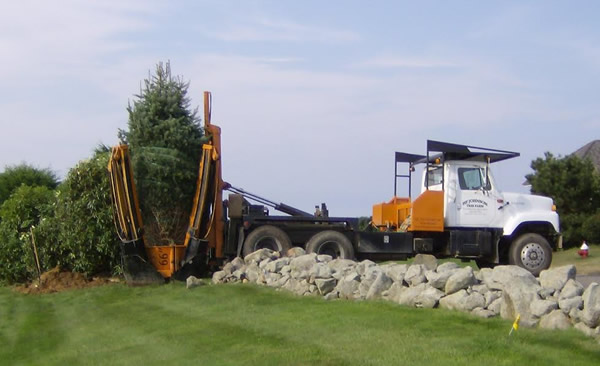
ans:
(469, 152)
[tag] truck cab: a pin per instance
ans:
(480, 221)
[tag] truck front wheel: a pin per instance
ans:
(269, 237)
(532, 252)
(332, 243)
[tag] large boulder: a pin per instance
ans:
(408, 295)
(555, 320)
(519, 289)
(571, 289)
(381, 284)
(463, 301)
(347, 288)
(448, 266)
(566, 305)
(325, 285)
(362, 267)
(439, 279)
(461, 279)
(295, 252)
(415, 275)
(591, 305)
(540, 308)
(319, 270)
(428, 261)
(277, 265)
(260, 255)
(395, 271)
(429, 297)
(192, 282)
(556, 278)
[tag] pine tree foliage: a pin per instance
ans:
(165, 141)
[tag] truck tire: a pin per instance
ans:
(532, 252)
(332, 243)
(269, 237)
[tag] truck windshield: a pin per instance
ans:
(472, 178)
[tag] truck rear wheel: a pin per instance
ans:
(269, 237)
(532, 252)
(332, 243)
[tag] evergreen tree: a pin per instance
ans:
(165, 141)
(23, 174)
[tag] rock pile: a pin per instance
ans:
(554, 301)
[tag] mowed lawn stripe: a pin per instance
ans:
(234, 324)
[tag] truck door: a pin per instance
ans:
(475, 199)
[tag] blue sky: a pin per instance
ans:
(313, 97)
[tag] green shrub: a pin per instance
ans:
(82, 231)
(14, 176)
(19, 213)
(591, 229)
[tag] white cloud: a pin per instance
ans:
(264, 29)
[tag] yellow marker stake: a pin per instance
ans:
(515, 325)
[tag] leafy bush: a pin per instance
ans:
(19, 213)
(82, 232)
(591, 229)
(15, 176)
(574, 185)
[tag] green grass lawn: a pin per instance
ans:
(249, 325)
(589, 265)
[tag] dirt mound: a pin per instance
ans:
(56, 280)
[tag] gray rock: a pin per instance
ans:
(502, 276)
(362, 267)
(239, 275)
(591, 305)
(491, 296)
(484, 275)
(303, 262)
(427, 260)
(395, 271)
(286, 269)
(540, 308)
(260, 255)
(439, 279)
(347, 287)
(341, 265)
(218, 277)
(546, 293)
(325, 285)
(331, 296)
(496, 306)
(461, 279)
(382, 283)
(252, 272)
(415, 275)
(555, 320)
(447, 267)
(568, 304)
(272, 279)
(483, 313)
(520, 289)
(482, 289)
(408, 295)
(462, 301)
(394, 291)
(575, 315)
(192, 282)
(324, 258)
(282, 281)
(277, 265)
(556, 278)
(429, 297)
(319, 270)
(295, 252)
(571, 289)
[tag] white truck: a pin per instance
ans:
(461, 212)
